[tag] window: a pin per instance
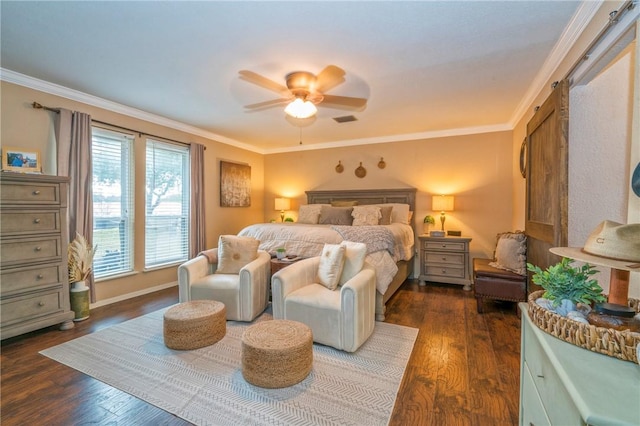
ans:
(112, 202)
(167, 204)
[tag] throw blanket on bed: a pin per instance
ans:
(377, 238)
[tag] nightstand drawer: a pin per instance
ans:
(30, 250)
(444, 245)
(30, 307)
(20, 279)
(444, 271)
(443, 257)
(30, 222)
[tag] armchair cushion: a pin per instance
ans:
(355, 254)
(331, 265)
(235, 252)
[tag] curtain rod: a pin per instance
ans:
(614, 17)
(37, 105)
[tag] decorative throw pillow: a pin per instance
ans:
(366, 215)
(385, 212)
(331, 265)
(511, 250)
(309, 213)
(353, 259)
(344, 203)
(235, 252)
(335, 215)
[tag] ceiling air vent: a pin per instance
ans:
(345, 119)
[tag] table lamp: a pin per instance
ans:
(442, 203)
(282, 204)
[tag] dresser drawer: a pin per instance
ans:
(558, 405)
(30, 222)
(443, 245)
(444, 271)
(24, 193)
(531, 408)
(444, 257)
(30, 250)
(31, 306)
(30, 278)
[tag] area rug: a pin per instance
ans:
(206, 387)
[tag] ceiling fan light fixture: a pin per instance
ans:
(300, 108)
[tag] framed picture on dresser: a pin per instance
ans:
(22, 160)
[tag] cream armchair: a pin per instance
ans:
(245, 295)
(343, 318)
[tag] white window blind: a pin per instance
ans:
(112, 202)
(167, 204)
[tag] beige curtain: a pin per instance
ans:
(73, 140)
(197, 229)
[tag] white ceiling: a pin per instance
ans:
(427, 67)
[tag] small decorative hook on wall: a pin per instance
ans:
(339, 167)
(381, 163)
(360, 171)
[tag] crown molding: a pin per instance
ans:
(583, 16)
(75, 95)
(398, 138)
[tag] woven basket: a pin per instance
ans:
(607, 341)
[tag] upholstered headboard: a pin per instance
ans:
(365, 196)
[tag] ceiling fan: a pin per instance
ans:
(303, 91)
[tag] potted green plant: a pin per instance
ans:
(564, 282)
(80, 263)
(427, 222)
(281, 252)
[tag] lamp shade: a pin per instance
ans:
(283, 204)
(443, 203)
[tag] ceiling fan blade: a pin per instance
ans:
(344, 102)
(267, 104)
(329, 78)
(261, 81)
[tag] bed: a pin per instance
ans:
(391, 247)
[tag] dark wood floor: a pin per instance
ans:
(464, 369)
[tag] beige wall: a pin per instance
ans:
(474, 168)
(23, 126)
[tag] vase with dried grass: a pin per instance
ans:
(80, 262)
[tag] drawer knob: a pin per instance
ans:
(36, 192)
(38, 248)
(40, 276)
(444, 258)
(444, 246)
(40, 303)
(444, 271)
(36, 220)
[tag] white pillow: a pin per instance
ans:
(353, 260)
(366, 215)
(511, 252)
(400, 213)
(331, 265)
(235, 252)
(309, 213)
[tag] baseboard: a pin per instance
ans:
(132, 295)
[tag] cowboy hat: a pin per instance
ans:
(611, 244)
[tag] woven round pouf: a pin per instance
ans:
(276, 354)
(194, 324)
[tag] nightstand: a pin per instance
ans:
(445, 260)
(277, 264)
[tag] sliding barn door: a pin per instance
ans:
(547, 178)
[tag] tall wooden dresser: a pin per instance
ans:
(34, 289)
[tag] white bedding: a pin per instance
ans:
(308, 240)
